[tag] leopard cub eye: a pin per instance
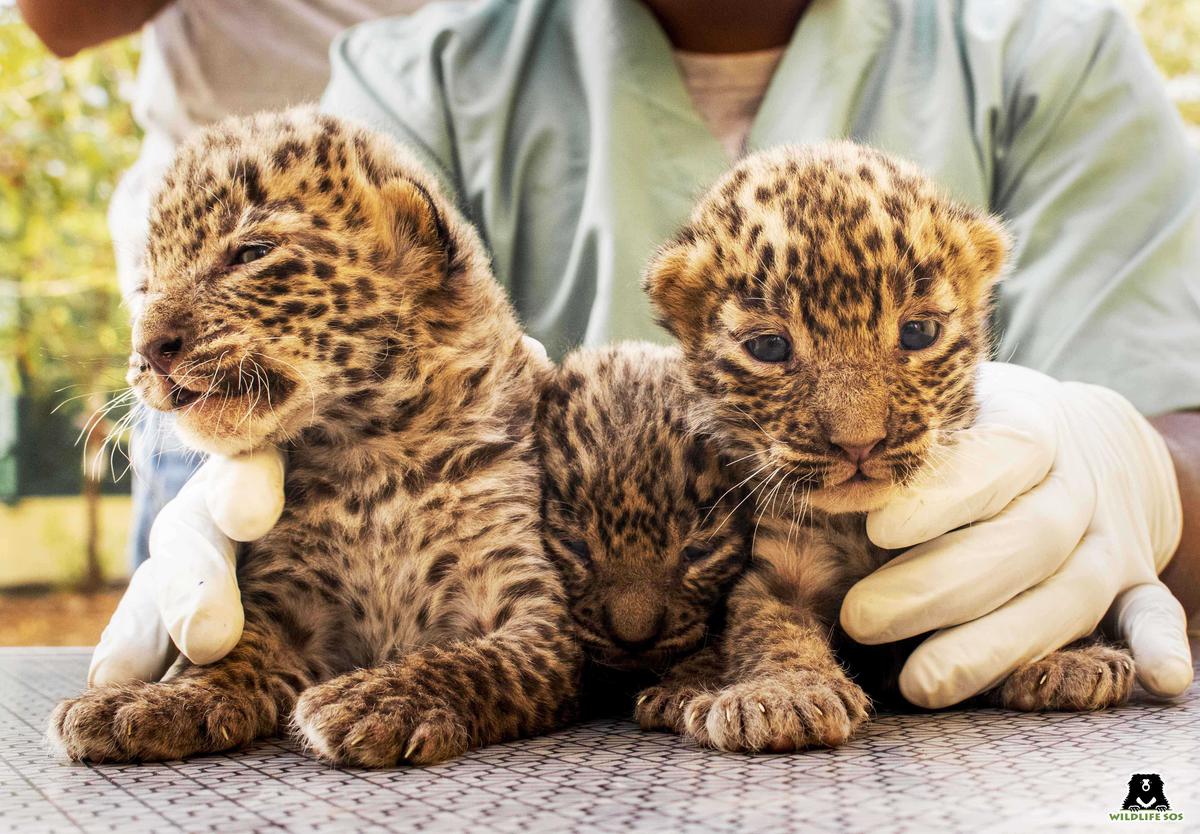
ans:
(697, 553)
(580, 549)
(769, 348)
(918, 334)
(250, 253)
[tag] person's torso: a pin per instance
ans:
(577, 149)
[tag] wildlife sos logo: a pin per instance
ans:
(1146, 799)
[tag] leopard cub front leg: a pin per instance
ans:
(784, 689)
(1087, 675)
(435, 703)
(779, 712)
(383, 716)
(482, 686)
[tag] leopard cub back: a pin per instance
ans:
(642, 516)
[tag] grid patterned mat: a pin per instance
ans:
(982, 771)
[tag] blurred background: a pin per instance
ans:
(66, 134)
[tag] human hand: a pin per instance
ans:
(1057, 507)
(185, 597)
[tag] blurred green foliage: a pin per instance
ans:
(1171, 29)
(66, 133)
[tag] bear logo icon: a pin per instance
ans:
(1146, 793)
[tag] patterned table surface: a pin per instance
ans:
(981, 771)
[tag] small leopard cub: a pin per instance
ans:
(832, 307)
(645, 522)
(308, 286)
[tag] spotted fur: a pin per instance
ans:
(403, 609)
(641, 515)
(836, 249)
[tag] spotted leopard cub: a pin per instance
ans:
(646, 523)
(310, 287)
(832, 308)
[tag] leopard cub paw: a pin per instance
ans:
(661, 707)
(778, 714)
(359, 720)
(1089, 677)
(153, 722)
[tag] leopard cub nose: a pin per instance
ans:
(162, 353)
(634, 622)
(857, 450)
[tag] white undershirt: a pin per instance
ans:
(727, 90)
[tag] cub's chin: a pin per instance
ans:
(225, 436)
(852, 496)
(221, 424)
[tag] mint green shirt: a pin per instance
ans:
(565, 130)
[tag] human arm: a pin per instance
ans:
(1181, 431)
(68, 26)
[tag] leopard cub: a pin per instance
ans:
(832, 307)
(646, 523)
(310, 287)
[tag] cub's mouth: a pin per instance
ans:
(846, 488)
(213, 391)
(615, 658)
(859, 477)
(177, 392)
(223, 405)
(658, 656)
(179, 395)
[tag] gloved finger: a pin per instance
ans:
(1154, 626)
(1003, 455)
(960, 662)
(196, 588)
(974, 479)
(135, 645)
(536, 348)
(245, 493)
(969, 572)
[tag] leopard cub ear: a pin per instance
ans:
(413, 219)
(990, 243)
(677, 288)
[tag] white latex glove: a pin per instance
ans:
(1059, 506)
(185, 597)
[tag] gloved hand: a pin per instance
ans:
(185, 597)
(1059, 506)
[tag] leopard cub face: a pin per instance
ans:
(291, 269)
(832, 306)
(646, 523)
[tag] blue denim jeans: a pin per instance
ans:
(161, 466)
